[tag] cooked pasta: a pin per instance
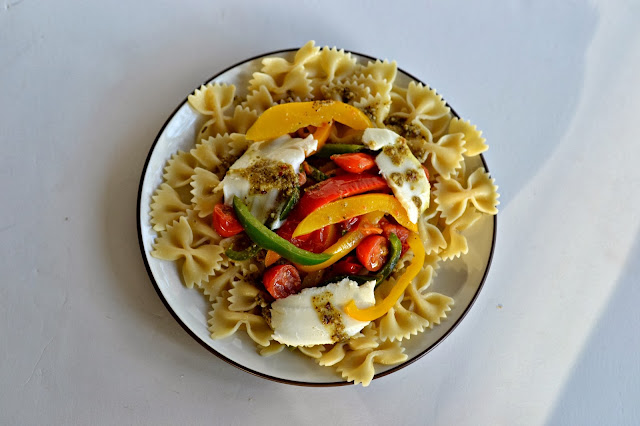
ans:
(229, 269)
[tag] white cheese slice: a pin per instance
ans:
(401, 169)
(286, 149)
(316, 316)
(375, 138)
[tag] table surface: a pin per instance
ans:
(552, 338)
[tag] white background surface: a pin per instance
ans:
(553, 337)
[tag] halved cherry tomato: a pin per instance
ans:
(282, 280)
(347, 266)
(355, 163)
(372, 252)
(319, 240)
(393, 228)
(347, 225)
(225, 222)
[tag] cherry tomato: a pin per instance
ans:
(401, 232)
(349, 224)
(225, 222)
(355, 163)
(319, 240)
(347, 266)
(282, 280)
(372, 252)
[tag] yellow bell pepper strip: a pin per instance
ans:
(344, 209)
(287, 118)
(378, 310)
(321, 134)
(265, 238)
(347, 242)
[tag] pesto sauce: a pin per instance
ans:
(265, 175)
(329, 316)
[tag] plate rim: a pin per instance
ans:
(236, 364)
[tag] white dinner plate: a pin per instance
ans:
(461, 278)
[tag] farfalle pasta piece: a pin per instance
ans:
(446, 154)
(374, 107)
(259, 100)
(176, 242)
(278, 66)
(452, 197)
(439, 126)
(166, 207)
(243, 118)
(201, 228)
(221, 281)
(421, 282)
(431, 306)
(333, 355)
(418, 102)
(431, 235)
(206, 191)
(376, 86)
(381, 70)
(358, 365)
(224, 322)
(347, 91)
(244, 296)
(329, 65)
(367, 339)
(179, 169)
(213, 100)
(294, 83)
(218, 153)
(314, 352)
(272, 349)
(400, 323)
(456, 243)
(474, 143)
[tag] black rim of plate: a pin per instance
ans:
(234, 363)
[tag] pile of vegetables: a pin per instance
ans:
(342, 219)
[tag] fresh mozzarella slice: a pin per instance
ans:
(316, 316)
(376, 139)
(266, 174)
(401, 169)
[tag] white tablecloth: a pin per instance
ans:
(552, 338)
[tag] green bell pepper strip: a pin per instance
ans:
(293, 200)
(316, 174)
(359, 279)
(269, 240)
(248, 253)
(330, 149)
(394, 256)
